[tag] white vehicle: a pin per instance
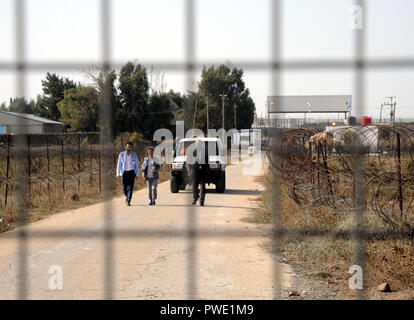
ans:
(216, 162)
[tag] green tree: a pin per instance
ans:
(107, 81)
(3, 107)
(245, 109)
(80, 109)
(159, 114)
(134, 94)
(21, 105)
(186, 110)
(229, 81)
(54, 89)
(177, 99)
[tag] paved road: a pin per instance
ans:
(153, 254)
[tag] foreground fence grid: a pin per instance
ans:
(65, 170)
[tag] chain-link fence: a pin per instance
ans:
(71, 165)
(59, 169)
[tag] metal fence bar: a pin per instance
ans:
(211, 233)
(107, 148)
(259, 65)
(359, 64)
(191, 236)
(7, 172)
(276, 87)
(359, 89)
(21, 150)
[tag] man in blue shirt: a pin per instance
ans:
(127, 169)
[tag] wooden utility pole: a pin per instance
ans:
(207, 116)
(222, 109)
(392, 103)
(195, 113)
(235, 116)
(382, 105)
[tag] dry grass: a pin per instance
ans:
(40, 208)
(387, 260)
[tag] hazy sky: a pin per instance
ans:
(227, 30)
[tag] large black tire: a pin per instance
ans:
(174, 184)
(221, 182)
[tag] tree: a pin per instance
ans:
(156, 80)
(176, 98)
(80, 109)
(103, 81)
(246, 110)
(106, 81)
(54, 89)
(178, 101)
(21, 105)
(229, 81)
(134, 88)
(186, 111)
(159, 114)
(3, 107)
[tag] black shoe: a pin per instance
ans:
(126, 202)
(202, 203)
(150, 203)
(194, 202)
(129, 203)
(153, 203)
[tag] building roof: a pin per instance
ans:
(311, 104)
(32, 117)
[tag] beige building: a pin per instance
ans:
(13, 122)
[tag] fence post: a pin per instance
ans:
(48, 168)
(91, 164)
(100, 172)
(63, 169)
(79, 164)
(400, 194)
(325, 165)
(7, 171)
(114, 156)
(29, 168)
(319, 146)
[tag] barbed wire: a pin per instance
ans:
(320, 168)
(58, 166)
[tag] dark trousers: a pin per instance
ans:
(128, 178)
(199, 178)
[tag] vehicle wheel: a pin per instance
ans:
(221, 183)
(174, 184)
(182, 186)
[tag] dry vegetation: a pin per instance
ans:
(317, 192)
(387, 260)
(52, 189)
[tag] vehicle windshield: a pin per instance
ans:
(211, 146)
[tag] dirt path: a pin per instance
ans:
(153, 255)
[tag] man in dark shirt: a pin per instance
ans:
(198, 174)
